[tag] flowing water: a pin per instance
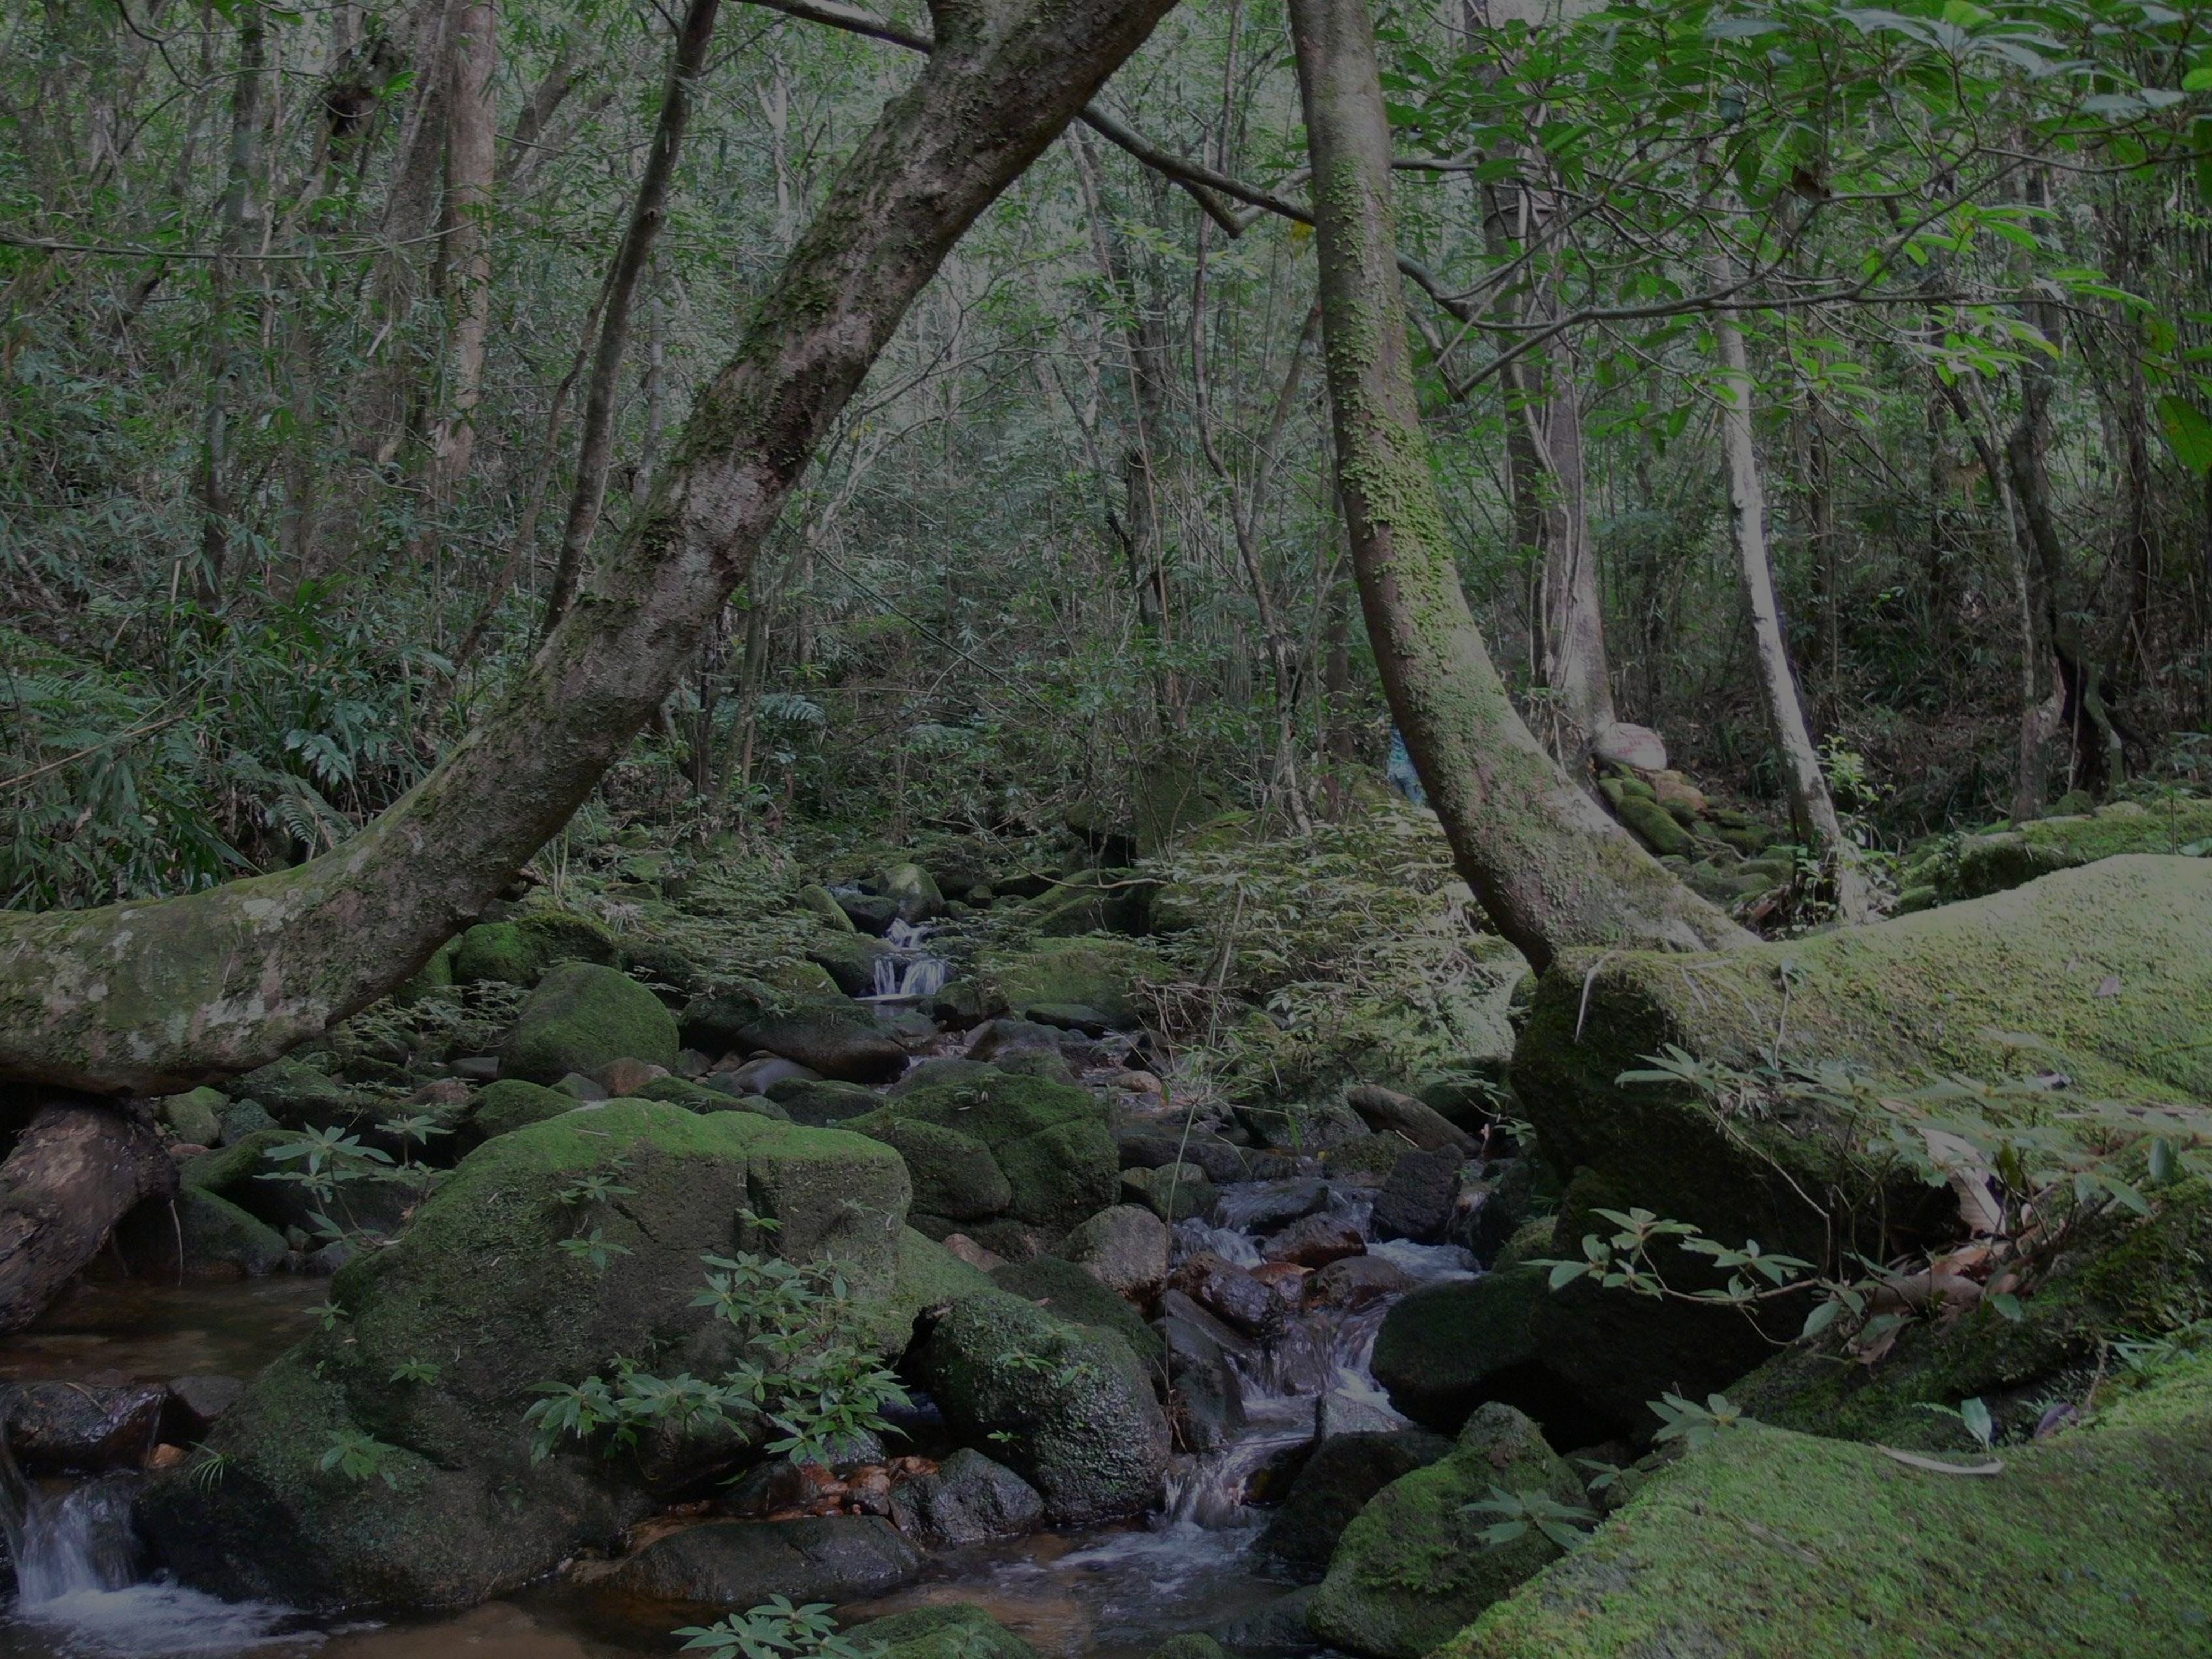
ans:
(911, 973)
(1102, 1593)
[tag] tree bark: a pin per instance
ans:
(241, 212)
(1549, 868)
(472, 133)
(78, 1169)
(155, 997)
(595, 443)
(1811, 809)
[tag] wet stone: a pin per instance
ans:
(1314, 1241)
(1419, 1196)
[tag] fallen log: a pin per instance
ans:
(1391, 1113)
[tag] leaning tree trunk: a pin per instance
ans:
(156, 997)
(1550, 868)
(79, 1168)
(1811, 809)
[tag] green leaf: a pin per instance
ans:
(2188, 432)
(2198, 80)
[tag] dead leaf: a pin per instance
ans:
(1970, 1179)
(1936, 1466)
(2109, 985)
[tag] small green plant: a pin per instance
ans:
(209, 1468)
(1520, 1512)
(807, 1375)
(776, 1629)
(1974, 1413)
(359, 1457)
(594, 1247)
(1693, 1425)
(415, 1371)
(330, 1160)
(328, 1313)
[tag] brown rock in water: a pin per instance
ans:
(1286, 1279)
(57, 1426)
(1315, 1243)
(627, 1076)
(1358, 1281)
(1230, 1294)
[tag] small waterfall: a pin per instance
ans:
(76, 1541)
(912, 972)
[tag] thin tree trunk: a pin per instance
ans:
(78, 1168)
(1812, 810)
(595, 443)
(410, 207)
(472, 131)
(1550, 868)
(241, 212)
(156, 997)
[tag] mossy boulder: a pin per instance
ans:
(1093, 902)
(1412, 1568)
(1344, 1475)
(581, 1017)
(913, 890)
(816, 897)
(195, 1117)
(1087, 1433)
(2102, 974)
(1104, 973)
(849, 958)
(1767, 1544)
(832, 1036)
(219, 1240)
(1048, 1140)
(479, 1289)
(1654, 825)
(1067, 1291)
(300, 1095)
(519, 948)
(2004, 859)
(512, 1103)
(954, 1174)
(823, 1103)
(248, 1175)
(958, 1631)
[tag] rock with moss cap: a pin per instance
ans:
(1049, 1140)
(581, 1017)
(956, 1630)
(1067, 1292)
(1412, 1567)
(1087, 1433)
(1767, 1544)
(2101, 974)
(954, 1174)
(442, 1339)
(1104, 973)
(519, 948)
(1993, 862)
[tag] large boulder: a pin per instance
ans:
(519, 949)
(830, 1037)
(300, 1095)
(1048, 1140)
(1124, 1247)
(1068, 1292)
(217, 1238)
(742, 1563)
(1086, 1432)
(914, 891)
(249, 1177)
(582, 1016)
(385, 1462)
(1767, 1544)
(2102, 974)
(1978, 864)
(1412, 1567)
(954, 1174)
(512, 1103)
(1104, 973)
(1339, 1481)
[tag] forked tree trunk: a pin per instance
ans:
(1550, 868)
(1811, 809)
(79, 1168)
(154, 997)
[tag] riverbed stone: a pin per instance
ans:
(582, 1016)
(218, 1239)
(479, 1288)
(741, 1564)
(1087, 1433)
(850, 958)
(1314, 1241)
(1419, 1196)
(833, 1037)
(1173, 1192)
(512, 1103)
(1342, 1476)
(1208, 1397)
(954, 1174)
(954, 1631)
(1125, 1247)
(195, 1117)
(1230, 1294)
(1048, 1138)
(822, 1103)
(54, 1428)
(914, 891)
(1411, 1569)
(968, 1500)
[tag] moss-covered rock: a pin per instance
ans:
(479, 1289)
(849, 958)
(1411, 1569)
(2104, 974)
(1048, 1138)
(195, 1117)
(581, 1017)
(832, 1036)
(1067, 1291)
(218, 1239)
(954, 1174)
(913, 890)
(300, 1095)
(1087, 1433)
(1654, 825)
(1344, 1475)
(1767, 1544)
(519, 949)
(1092, 902)
(823, 1103)
(512, 1103)
(1104, 973)
(958, 1631)
(1979, 865)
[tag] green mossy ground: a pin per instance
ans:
(1768, 1544)
(956, 1631)
(1104, 973)
(1978, 864)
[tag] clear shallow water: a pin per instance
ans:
(1105, 1593)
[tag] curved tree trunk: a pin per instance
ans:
(1811, 809)
(155, 997)
(78, 1168)
(1550, 868)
